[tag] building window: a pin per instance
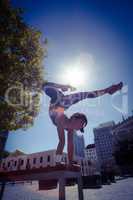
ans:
(28, 164)
(82, 163)
(22, 162)
(89, 163)
(41, 159)
(48, 159)
(3, 165)
(83, 170)
(8, 164)
(15, 163)
(65, 160)
(34, 161)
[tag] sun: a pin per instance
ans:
(74, 77)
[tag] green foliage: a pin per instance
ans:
(4, 154)
(21, 69)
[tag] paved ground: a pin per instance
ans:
(121, 190)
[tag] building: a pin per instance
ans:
(90, 152)
(103, 138)
(88, 168)
(79, 146)
(123, 145)
(16, 153)
(123, 130)
(91, 174)
(21, 161)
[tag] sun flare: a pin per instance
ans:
(74, 77)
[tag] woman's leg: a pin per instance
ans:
(71, 99)
(61, 135)
(68, 100)
(70, 145)
(58, 98)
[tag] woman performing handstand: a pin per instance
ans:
(60, 102)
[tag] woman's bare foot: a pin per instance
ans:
(114, 88)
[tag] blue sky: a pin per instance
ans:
(99, 35)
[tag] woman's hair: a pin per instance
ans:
(82, 117)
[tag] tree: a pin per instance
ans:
(21, 69)
(4, 154)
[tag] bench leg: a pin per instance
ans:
(62, 189)
(2, 190)
(80, 189)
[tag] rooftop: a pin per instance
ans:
(90, 146)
